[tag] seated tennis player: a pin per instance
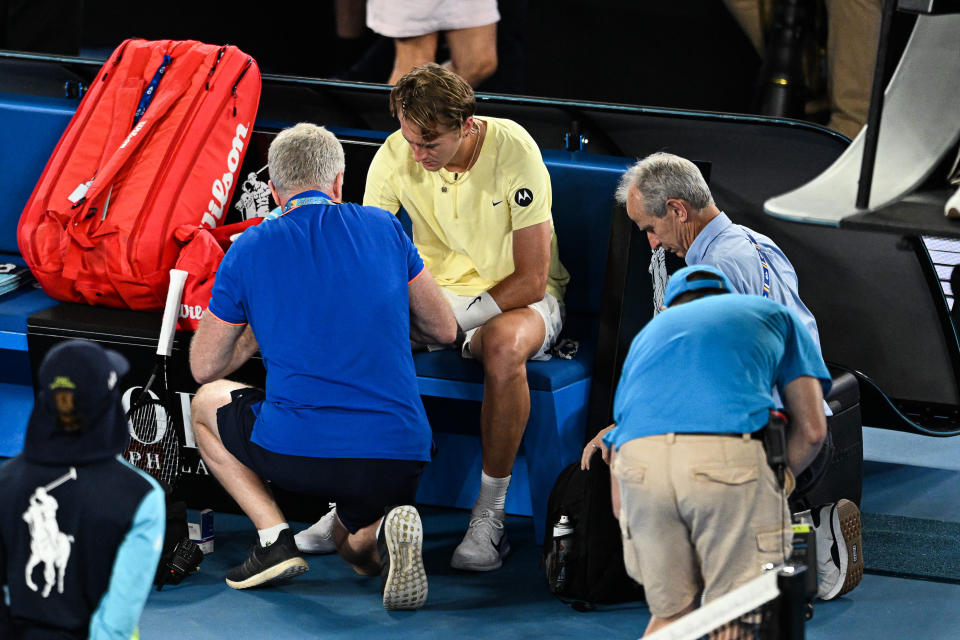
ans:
(479, 198)
(331, 293)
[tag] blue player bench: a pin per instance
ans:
(583, 186)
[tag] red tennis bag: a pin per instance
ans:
(156, 144)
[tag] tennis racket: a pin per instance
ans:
(154, 438)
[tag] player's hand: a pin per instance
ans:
(596, 443)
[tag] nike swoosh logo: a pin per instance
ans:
(497, 202)
(475, 300)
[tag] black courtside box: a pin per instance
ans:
(134, 334)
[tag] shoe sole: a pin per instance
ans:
(321, 549)
(305, 544)
(406, 584)
(286, 569)
(847, 520)
(466, 566)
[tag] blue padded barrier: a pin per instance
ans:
(30, 127)
(16, 403)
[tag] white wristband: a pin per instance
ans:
(481, 308)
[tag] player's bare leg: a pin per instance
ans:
(503, 345)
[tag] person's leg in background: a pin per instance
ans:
(412, 52)
(473, 52)
(853, 33)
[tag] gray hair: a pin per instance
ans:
(305, 156)
(661, 176)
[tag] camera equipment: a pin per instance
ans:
(181, 562)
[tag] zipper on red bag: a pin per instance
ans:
(161, 175)
(172, 151)
(213, 122)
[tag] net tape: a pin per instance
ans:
(744, 606)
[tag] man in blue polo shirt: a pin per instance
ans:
(701, 511)
(331, 294)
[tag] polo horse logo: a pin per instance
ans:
(48, 545)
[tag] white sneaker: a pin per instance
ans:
(318, 538)
(400, 547)
(484, 545)
(839, 548)
(952, 208)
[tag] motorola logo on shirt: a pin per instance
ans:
(523, 197)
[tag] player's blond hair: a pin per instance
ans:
(434, 99)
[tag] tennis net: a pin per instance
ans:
(769, 607)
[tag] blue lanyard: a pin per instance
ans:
(763, 265)
(302, 202)
(151, 89)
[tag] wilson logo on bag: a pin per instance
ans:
(155, 145)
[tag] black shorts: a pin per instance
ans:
(361, 487)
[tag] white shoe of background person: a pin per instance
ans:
(484, 545)
(952, 208)
(318, 538)
(839, 548)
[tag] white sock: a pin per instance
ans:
(379, 527)
(493, 493)
(269, 535)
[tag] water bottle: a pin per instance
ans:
(562, 545)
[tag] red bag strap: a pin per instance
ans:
(167, 98)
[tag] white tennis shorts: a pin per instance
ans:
(409, 18)
(550, 310)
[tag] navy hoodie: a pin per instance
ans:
(80, 533)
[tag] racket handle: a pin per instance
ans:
(171, 311)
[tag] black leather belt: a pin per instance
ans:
(756, 435)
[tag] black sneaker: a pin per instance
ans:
(400, 546)
(266, 565)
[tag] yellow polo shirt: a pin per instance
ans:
(464, 227)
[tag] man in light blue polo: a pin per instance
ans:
(668, 198)
(700, 509)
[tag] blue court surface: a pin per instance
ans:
(331, 602)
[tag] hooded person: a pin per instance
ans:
(80, 528)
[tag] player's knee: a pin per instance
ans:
(503, 353)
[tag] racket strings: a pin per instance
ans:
(154, 445)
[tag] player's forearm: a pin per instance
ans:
(519, 290)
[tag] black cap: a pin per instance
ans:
(77, 415)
